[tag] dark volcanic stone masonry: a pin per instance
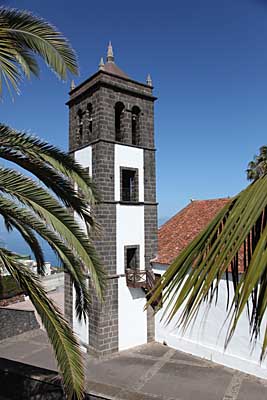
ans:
(103, 91)
(14, 322)
(92, 121)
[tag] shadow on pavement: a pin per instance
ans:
(24, 381)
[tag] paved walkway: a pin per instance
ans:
(150, 372)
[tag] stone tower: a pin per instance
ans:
(111, 133)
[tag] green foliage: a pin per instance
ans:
(64, 342)
(31, 209)
(258, 166)
(9, 287)
(22, 37)
(236, 238)
(46, 209)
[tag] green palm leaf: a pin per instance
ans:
(53, 180)
(29, 237)
(195, 274)
(8, 70)
(32, 148)
(27, 63)
(22, 37)
(31, 209)
(65, 345)
(23, 216)
(47, 207)
(43, 214)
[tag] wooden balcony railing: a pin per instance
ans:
(136, 278)
(144, 279)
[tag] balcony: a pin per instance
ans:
(136, 278)
(145, 280)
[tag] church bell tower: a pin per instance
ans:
(111, 132)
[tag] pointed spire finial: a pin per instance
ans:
(110, 56)
(101, 64)
(72, 85)
(149, 80)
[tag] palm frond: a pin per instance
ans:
(39, 36)
(239, 230)
(27, 62)
(8, 70)
(64, 343)
(53, 180)
(71, 262)
(47, 207)
(23, 36)
(29, 237)
(37, 149)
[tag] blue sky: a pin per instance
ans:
(208, 62)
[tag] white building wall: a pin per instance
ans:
(84, 157)
(132, 318)
(206, 337)
(130, 231)
(131, 157)
(47, 268)
(81, 328)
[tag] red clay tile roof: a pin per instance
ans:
(183, 227)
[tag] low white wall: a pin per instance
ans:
(206, 337)
(52, 282)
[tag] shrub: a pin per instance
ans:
(9, 287)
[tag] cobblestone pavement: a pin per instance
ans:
(150, 372)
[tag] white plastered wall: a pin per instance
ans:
(206, 337)
(81, 328)
(130, 231)
(129, 157)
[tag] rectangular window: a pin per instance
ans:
(131, 254)
(129, 185)
(131, 258)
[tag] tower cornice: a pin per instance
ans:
(124, 84)
(98, 140)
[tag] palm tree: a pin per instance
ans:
(234, 241)
(46, 208)
(258, 166)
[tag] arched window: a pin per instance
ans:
(79, 126)
(89, 116)
(119, 111)
(135, 125)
